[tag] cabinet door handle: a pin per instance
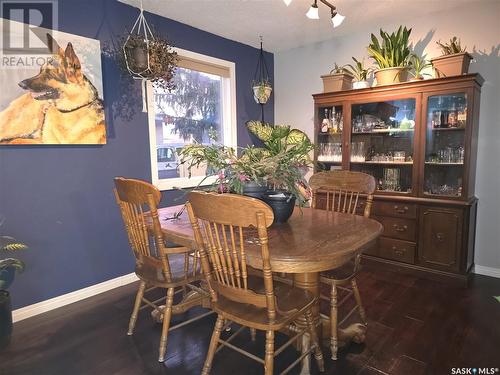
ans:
(440, 237)
(401, 210)
(398, 251)
(398, 228)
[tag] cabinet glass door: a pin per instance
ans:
(382, 140)
(444, 144)
(329, 142)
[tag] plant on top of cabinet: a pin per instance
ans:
(360, 73)
(419, 64)
(339, 79)
(455, 60)
(392, 55)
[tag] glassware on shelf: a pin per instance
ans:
(330, 152)
(391, 181)
(399, 156)
(461, 112)
(358, 152)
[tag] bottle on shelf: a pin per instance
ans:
(453, 115)
(461, 113)
(333, 124)
(437, 115)
(325, 123)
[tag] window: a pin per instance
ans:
(203, 104)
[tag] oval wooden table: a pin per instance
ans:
(310, 242)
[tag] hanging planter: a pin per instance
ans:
(261, 85)
(262, 91)
(148, 56)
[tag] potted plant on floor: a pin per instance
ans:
(392, 55)
(360, 74)
(419, 64)
(454, 61)
(339, 79)
(8, 268)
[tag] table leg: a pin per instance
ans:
(308, 281)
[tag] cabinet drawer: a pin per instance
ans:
(395, 209)
(402, 251)
(402, 229)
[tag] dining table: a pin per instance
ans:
(310, 242)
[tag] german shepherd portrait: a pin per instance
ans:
(61, 106)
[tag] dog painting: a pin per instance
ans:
(59, 103)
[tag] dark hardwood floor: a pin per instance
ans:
(415, 326)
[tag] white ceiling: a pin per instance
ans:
(287, 27)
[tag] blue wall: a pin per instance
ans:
(59, 199)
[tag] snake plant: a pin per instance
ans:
(451, 47)
(393, 50)
(8, 266)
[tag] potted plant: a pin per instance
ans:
(392, 55)
(274, 172)
(288, 160)
(262, 91)
(360, 73)
(454, 61)
(8, 268)
(339, 79)
(419, 64)
(152, 59)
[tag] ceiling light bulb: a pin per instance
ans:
(337, 19)
(313, 13)
(287, 2)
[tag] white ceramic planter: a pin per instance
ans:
(262, 93)
(360, 85)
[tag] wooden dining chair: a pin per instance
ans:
(175, 269)
(340, 191)
(225, 226)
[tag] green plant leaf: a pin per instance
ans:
(12, 262)
(262, 131)
(497, 298)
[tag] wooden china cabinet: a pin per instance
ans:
(419, 140)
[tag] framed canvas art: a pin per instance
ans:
(54, 95)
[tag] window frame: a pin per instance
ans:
(229, 119)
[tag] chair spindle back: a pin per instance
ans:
(342, 190)
(223, 225)
(138, 201)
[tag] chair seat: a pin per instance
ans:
(340, 274)
(150, 271)
(291, 302)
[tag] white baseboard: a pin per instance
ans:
(487, 271)
(66, 299)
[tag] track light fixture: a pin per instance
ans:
(313, 12)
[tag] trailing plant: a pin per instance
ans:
(280, 164)
(393, 50)
(358, 70)
(451, 47)
(162, 58)
(9, 266)
(419, 64)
